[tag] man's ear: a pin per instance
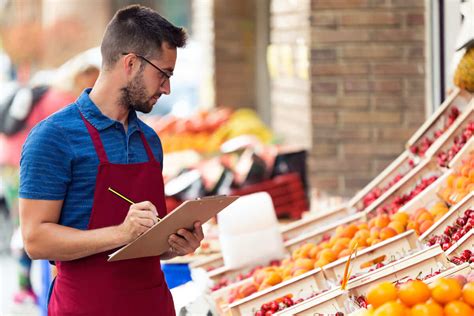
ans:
(130, 64)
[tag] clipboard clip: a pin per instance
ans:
(211, 197)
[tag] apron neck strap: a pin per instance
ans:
(147, 147)
(99, 147)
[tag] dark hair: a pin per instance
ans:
(141, 30)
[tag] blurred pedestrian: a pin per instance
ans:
(30, 105)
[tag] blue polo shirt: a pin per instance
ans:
(59, 161)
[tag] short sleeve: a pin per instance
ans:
(45, 164)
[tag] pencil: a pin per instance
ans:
(126, 199)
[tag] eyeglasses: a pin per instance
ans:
(166, 75)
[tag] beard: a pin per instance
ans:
(134, 96)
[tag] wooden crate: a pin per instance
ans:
(221, 297)
(466, 242)
(317, 235)
(422, 263)
(329, 302)
(428, 197)
(209, 263)
(401, 165)
(459, 98)
(393, 249)
(312, 222)
(448, 218)
(462, 154)
(463, 269)
(424, 169)
(301, 286)
(447, 139)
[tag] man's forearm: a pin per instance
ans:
(52, 241)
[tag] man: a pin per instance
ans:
(69, 161)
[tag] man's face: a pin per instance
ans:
(148, 84)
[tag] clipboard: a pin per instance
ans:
(154, 241)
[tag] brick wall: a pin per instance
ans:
(290, 87)
(367, 87)
(234, 50)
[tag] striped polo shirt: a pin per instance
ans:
(59, 161)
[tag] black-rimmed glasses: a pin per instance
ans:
(164, 73)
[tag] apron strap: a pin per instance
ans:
(99, 147)
(149, 152)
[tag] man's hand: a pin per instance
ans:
(184, 241)
(141, 216)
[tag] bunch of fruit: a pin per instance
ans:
(224, 281)
(453, 233)
(310, 256)
(426, 142)
(446, 296)
(399, 201)
(424, 218)
(277, 305)
(460, 182)
(465, 256)
(375, 193)
(207, 130)
(444, 157)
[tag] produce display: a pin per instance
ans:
(453, 233)
(446, 296)
(444, 157)
(427, 141)
(460, 182)
(207, 130)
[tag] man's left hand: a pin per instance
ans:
(184, 241)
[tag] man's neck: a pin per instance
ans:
(106, 97)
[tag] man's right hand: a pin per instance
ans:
(141, 216)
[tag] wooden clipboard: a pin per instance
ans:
(154, 242)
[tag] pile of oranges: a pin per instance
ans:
(459, 183)
(310, 256)
(445, 296)
(424, 218)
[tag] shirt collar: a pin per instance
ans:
(101, 122)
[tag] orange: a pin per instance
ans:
(344, 253)
(401, 217)
(458, 308)
(304, 263)
(413, 225)
(350, 231)
(337, 248)
(272, 278)
(387, 233)
(363, 226)
(450, 180)
(381, 293)
(397, 226)
(424, 216)
(327, 255)
(445, 290)
(392, 309)
(414, 292)
(468, 293)
(427, 309)
(375, 232)
(362, 234)
(425, 225)
(382, 221)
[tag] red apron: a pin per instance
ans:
(93, 286)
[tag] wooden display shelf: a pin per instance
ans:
(209, 263)
(317, 235)
(400, 166)
(457, 161)
(329, 302)
(424, 169)
(445, 141)
(427, 198)
(449, 218)
(393, 248)
(466, 242)
(459, 98)
(426, 261)
(301, 286)
(312, 222)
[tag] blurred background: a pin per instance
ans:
(325, 92)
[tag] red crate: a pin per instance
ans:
(286, 191)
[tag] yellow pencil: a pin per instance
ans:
(125, 198)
